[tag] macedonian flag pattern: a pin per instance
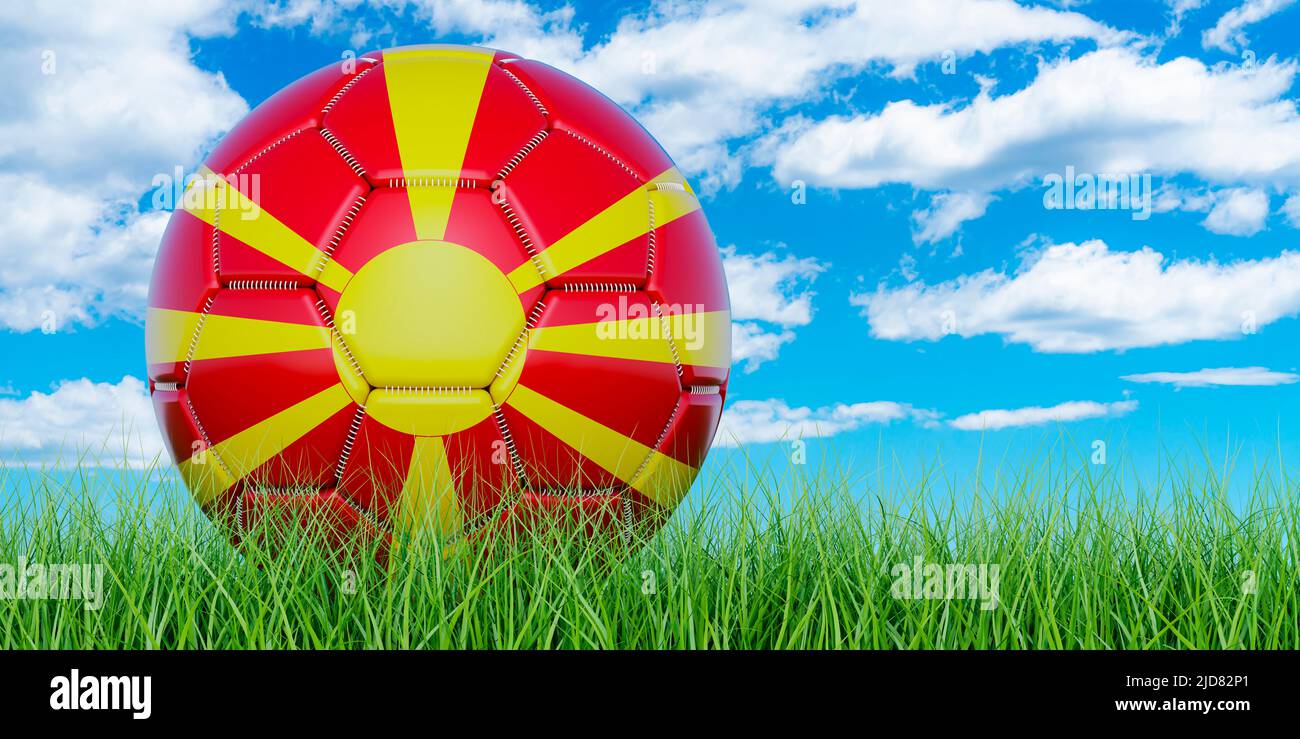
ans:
(433, 289)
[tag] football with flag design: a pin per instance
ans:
(437, 289)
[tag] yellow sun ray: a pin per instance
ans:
(619, 455)
(428, 503)
(628, 218)
(701, 338)
(169, 334)
(247, 450)
(229, 210)
(434, 94)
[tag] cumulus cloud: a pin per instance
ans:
(70, 258)
(1077, 298)
(760, 56)
(114, 423)
(1075, 410)
(1112, 111)
(1228, 34)
(945, 215)
(770, 295)
(1291, 209)
(1219, 376)
(97, 101)
(763, 421)
(1238, 212)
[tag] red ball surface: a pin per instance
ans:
(434, 289)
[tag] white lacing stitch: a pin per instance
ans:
(339, 95)
(523, 237)
(328, 252)
(427, 390)
(627, 499)
(535, 315)
(269, 147)
(167, 387)
(194, 338)
(207, 441)
(458, 182)
(262, 285)
(668, 334)
(651, 240)
(328, 318)
(365, 514)
(599, 287)
(514, 351)
(587, 492)
(239, 513)
(216, 241)
(674, 186)
(343, 152)
(286, 490)
(515, 461)
(348, 442)
(627, 520)
(540, 108)
(527, 148)
(659, 442)
(703, 389)
(604, 151)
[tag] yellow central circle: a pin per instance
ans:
(429, 323)
(430, 314)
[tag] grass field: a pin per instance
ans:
(1050, 556)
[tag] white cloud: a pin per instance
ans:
(1228, 34)
(1178, 9)
(703, 76)
(1291, 209)
(97, 101)
(67, 252)
(1229, 376)
(762, 54)
(946, 213)
(762, 421)
(754, 345)
(1109, 111)
(1234, 211)
(114, 423)
(1238, 212)
(1075, 410)
(770, 295)
(1076, 298)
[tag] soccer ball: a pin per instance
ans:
(436, 289)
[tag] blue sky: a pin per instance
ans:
(875, 174)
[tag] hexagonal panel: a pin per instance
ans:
(265, 389)
(588, 217)
(183, 281)
(575, 106)
(596, 431)
(302, 190)
(394, 474)
(688, 283)
(293, 108)
(429, 314)
(456, 116)
(385, 221)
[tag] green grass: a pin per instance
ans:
(755, 559)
